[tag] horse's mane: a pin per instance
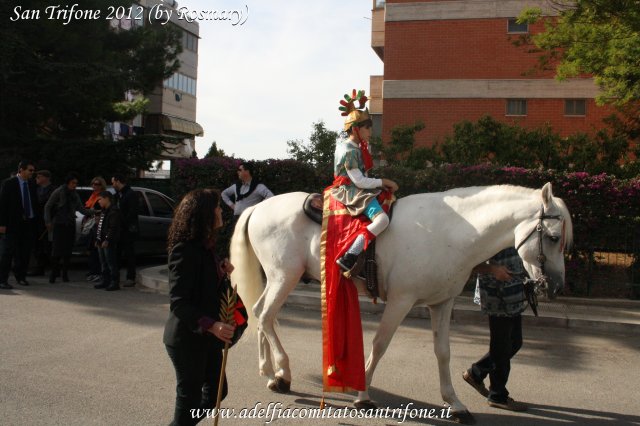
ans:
(568, 230)
(475, 190)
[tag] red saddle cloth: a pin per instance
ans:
(342, 347)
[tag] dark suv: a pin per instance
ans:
(155, 212)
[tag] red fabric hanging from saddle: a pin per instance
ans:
(342, 347)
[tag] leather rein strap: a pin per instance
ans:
(539, 228)
(530, 285)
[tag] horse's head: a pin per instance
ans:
(542, 240)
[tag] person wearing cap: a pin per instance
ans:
(42, 251)
(352, 186)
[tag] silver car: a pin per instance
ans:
(155, 212)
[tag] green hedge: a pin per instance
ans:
(605, 210)
(279, 176)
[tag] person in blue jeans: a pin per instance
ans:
(500, 293)
(107, 237)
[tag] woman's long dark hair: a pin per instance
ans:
(195, 218)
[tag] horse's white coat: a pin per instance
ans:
(424, 257)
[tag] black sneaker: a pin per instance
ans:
(347, 261)
(509, 404)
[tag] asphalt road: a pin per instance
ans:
(72, 355)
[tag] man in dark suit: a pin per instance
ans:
(42, 248)
(18, 200)
(127, 202)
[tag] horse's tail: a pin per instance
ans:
(247, 273)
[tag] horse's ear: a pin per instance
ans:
(547, 194)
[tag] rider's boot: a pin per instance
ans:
(348, 260)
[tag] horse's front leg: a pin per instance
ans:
(440, 321)
(394, 312)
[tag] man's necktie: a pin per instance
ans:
(26, 202)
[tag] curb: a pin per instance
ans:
(154, 279)
(606, 315)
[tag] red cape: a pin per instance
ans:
(342, 347)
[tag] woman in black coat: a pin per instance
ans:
(193, 335)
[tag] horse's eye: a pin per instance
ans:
(553, 238)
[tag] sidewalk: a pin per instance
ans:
(610, 315)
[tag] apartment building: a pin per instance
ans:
(173, 103)
(453, 60)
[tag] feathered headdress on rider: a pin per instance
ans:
(356, 116)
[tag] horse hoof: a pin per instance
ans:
(463, 417)
(365, 405)
(279, 385)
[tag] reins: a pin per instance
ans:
(532, 286)
(539, 228)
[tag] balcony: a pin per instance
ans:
(377, 29)
(375, 94)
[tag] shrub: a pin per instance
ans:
(603, 207)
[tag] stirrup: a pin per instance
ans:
(347, 262)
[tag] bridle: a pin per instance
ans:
(539, 228)
(534, 287)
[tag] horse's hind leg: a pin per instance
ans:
(394, 312)
(275, 295)
(264, 350)
(440, 321)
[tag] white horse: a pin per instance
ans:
(424, 257)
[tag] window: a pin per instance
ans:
(160, 206)
(138, 15)
(575, 107)
(143, 209)
(190, 42)
(126, 18)
(514, 27)
(516, 107)
(181, 82)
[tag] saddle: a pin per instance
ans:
(312, 207)
(366, 268)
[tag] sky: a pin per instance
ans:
(268, 80)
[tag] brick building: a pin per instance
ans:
(446, 61)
